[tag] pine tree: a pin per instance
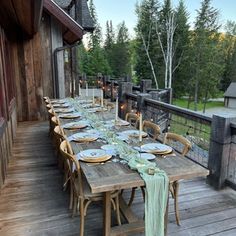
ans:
(229, 49)
(96, 61)
(96, 35)
(206, 63)
(181, 42)
(122, 53)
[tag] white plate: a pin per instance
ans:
(90, 105)
(121, 123)
(85, 101)
(82, 135)
(91, 110)
(134, 133)
(147, 156)
(156, 147)
(64, 110)
(76, 124)
(70, 115)
(60, 105)
(93, 153)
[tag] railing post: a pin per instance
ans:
(124, 87)
(141, 104)
(219, 152)
(112, 91)
(145, 85)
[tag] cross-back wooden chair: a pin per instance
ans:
(174, 186)
(58, 137)
(80, 191)
(132, 118)
(151, 128)
(110, 105)
(51, 114)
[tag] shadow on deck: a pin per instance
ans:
(32, 201)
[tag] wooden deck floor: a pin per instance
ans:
(33, 203)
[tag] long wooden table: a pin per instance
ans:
(110, 176)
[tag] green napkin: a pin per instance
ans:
(156, 194)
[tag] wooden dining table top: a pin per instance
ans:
(109, 176)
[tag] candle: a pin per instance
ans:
(70, 88)
(116, 110)
(79, 89)
(74, 87)
(93, 97)
(101, 98)
(140, 127)
(86, 89)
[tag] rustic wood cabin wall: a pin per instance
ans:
(8, 120)
(33, 69)
(26, 75)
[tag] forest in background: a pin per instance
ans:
(198, 63)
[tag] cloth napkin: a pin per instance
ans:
(156, 194)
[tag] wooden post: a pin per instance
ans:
(124, 87)
(141, 104)
(145, 85)
(112, 91)
(219, 152)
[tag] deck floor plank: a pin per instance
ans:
(32, 202)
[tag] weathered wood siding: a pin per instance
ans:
(26, 76)
(33, 69)
(8, 121)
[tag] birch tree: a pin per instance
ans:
(146, 51)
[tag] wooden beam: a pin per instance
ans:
(74, 31)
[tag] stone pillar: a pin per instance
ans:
(219, 152)
(112, 91)
(145, 85)
(141, 104)
(124, 87)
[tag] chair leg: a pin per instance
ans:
(75, 204)
(118, 210)
(143, 193)
(176, 204)
(71, 196)
(132, 196)
(81, 217)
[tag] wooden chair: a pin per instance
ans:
(58, 137)
(51, 114)
(110, 105)
(154, 130)
(174, 186)
(132, 118)
(80, 192)
(151, 128)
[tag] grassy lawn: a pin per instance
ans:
(184, 102)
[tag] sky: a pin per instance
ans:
(119, 10)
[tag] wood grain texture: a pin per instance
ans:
(32, 202)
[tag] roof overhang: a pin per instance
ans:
(72, 31)
(18, 15)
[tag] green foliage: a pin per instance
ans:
(229, 49)
(147, 12)
(184, 104)
(181, 57)
(206, 65)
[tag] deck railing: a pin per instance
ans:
(231, 177)
(213, 138)
(192, 125)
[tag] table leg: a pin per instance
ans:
(107, 214)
